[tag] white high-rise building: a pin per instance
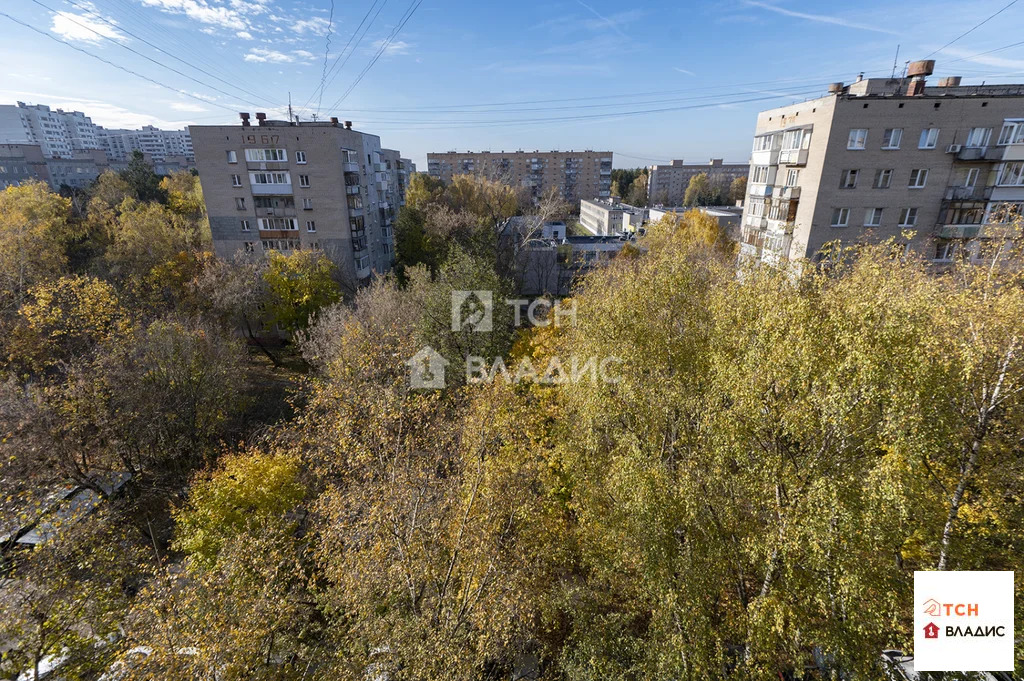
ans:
(159, 144)
(58, 133)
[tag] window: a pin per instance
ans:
(300, 157)
(792, 139)
(289, 224)
(883, 178)
(310, 226)
(978, 137)
(918, 178)
(840, 217)
(929, 138)
(858, 138)
(972, 177)
(303, 180)
(240, 202)
(759, 175)
(250, 247)
(362, 262)
(270, 178)
(849, 179)
(245, 225)
(792, 177)
(264, 155)
(892, 138)
(1012, 132)
(232, 157)
(908, 217)
(946, 250)
(764, 142)
(307, 204)
(873, 217)
(1012, 174)
(236, 180)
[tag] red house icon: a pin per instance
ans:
(931, 630)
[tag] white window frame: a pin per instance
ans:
(985, 135)
(908, 217)
(849, 179)
(232, 156)
(245, 226)
(240, 203)
(873, 217)
(1012, 132)
(270, 177)
(858, 139)
(307, 204)
(277, 224)
(973, 175)
(793, 177)
(266, 155)
(918, 178)
(883, 173)
(300, 157)
(929, 138)
(304, 181)
(236, 180)
(893, 138)
(311, 225)
(1011, 174)
(840, 217)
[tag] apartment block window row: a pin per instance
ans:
(873, 217)
(265, 155)
(287, 224)
(281, 245)
(270, 178)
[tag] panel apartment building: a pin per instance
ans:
(158, 144)
(666, 185)
(574, 175)
(58, 133)
(879, 157)
(283, 186)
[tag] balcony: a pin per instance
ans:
(789, 193)
(350, 167)
(980, 154)
(271, 189)
(793, 157)
(352, 189)
(760, 189)
(989, 230)
(779, 226)
(964, 193)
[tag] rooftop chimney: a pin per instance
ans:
(334, 120)
(949, 81)
(348, 125)
(245, 118)
(835, 88)
(918, 70)
(261, 117)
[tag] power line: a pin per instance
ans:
(981, 54)
(413, 6)
(327, 53)
(140, 54)
(120, 28)
(335, 69)
(976, 26)
(110, 63)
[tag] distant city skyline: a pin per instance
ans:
(652, 83)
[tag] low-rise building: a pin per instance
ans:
(604, 217)
(573, 175)
(728, 218)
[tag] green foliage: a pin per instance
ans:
(245, 491)
(143, 182)
(706, 191)
(637, 195)
(298, 285)
(738, 189)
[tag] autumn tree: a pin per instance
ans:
(297, 286)
(638, 191)
(738, 189)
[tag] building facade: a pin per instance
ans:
(284, 186)
(57, 132)
(886, 158)
(158, 144)
(20, 163)
(666, 184)
(574, 175)
(610, 218)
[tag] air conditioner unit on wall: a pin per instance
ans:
(953, 149)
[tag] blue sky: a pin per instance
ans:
(461, 74)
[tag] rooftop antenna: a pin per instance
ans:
(291, 117)
(894, 62)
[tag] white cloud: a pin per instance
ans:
(245, 35)
(316, 26)
(820, 18)
(687, 72)
(81, 28)
(396, 47)
(261, 56)
(233, 17)
(187, 108)
(985, 59)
